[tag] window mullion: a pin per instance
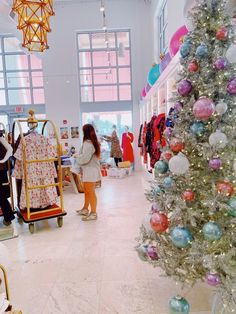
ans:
(4, 72)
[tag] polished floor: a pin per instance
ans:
(92, 267)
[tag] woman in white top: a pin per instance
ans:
(88, 160)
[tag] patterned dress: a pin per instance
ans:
(37, 147)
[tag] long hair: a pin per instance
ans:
(90, 135)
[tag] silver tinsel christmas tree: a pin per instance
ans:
(191, 230)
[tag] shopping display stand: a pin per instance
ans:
(54, 211)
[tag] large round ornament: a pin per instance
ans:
(154, 74)
(212, 231)
(179, 305)
(181, 237)
(166, 155)
(179, 164)
(222, 33)
(232, 207)
(230, 54)
(218, 139)
(168, 182)
(188, 195)
(221, 107)
(159, 222)
(202, 51)
(185, 49)
(215, 163)
(220, 63)
(193, 66)
(185, 88)
(161, 167)
(225, 187)
(231, 87)
(152, 253)
(177, 40)
(213, 279)
(142, 252)
(203, 108)
(197, 128)
(177, 145)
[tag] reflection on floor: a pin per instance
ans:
(91, 267)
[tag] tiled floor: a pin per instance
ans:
(92, 268)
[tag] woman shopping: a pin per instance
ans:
(116, 152)
(88, 160)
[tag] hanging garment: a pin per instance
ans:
(144, 137)
(140, 138)
(39, 173)
(128, 153)
(4, 195)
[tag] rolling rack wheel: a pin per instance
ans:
(31, 228)
(60, 221)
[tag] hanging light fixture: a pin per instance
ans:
(33, 20)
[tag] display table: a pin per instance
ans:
(68, 169)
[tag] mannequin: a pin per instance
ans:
(116, 152)
(5, 153)
(127, 140)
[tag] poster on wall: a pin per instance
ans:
(64, 133)
(75, 132)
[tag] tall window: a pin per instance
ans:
(104, 66)
(162, 19)
(21, 75)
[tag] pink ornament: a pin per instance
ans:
(215, 163)
(213, 279)
(220, 63)
(152, 253)
(177, 40)
(155, 208)
(193, 66)
(203, 108)
(222, 33)
(185, 88)
(178, 105)
(143, 93)
(231, 88)
(166, 155)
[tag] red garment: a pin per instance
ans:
(127, 140)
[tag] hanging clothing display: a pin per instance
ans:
(140, 138)
(144, 137)
(128, 153)
(37, 147)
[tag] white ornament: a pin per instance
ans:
(230, 54)
(221, 107)
(179, 164)
(218, 139)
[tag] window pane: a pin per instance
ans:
(86, 94)
(105, 93)
(39, 96)
(19, 97)
(2, 98)
(125, 92)
(99, 40)
(18, 79)
(103, 59)
(0, 63)
(12, 44)
(35, 62)
(124, 60)
(17, 62)
(2, 85)
(83, 41)
(85, 59)
(124, 75)
(37, 79)
(123, 37)
(86, 77)
(4, 120)
(105, 76)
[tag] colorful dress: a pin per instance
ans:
(115, 145)
(128, 153)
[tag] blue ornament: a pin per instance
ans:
(181, 237)
(161, 167)
(212, 231)
(168, 182)
(197, 128)
(179, 305)
(202, 51)
(154, 74)
(185, 49)
(232, 207)
(157, 190)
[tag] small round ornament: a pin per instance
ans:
(157, 190)
(184, 88)
(231, 87)
(185, 49)
(218, 139)
(188, 195)
(202, 51)
(225, 187)
(232, 207)
(152, 253)
(178, 106)
(161, 167)
(212, 231)
(193, 66)
(181, 237)
(155, 208)
(215, 163)
(166, 155)
(179, 305)
(142, 252)
(179, 164)
(197, 128)
(159, 222)
(168, 182)
(213, 279)
(203, 108)
(222, 33)
(177, 145)
(220, 64)
(168, 132)
(221, 107)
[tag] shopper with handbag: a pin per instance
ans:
(88, 160)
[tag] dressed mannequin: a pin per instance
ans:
(127, 140)
(5, 153)
(116, 152)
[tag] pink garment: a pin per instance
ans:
(37, 147)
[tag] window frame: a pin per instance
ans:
(162, 27)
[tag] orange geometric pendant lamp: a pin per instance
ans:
(33, 20)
